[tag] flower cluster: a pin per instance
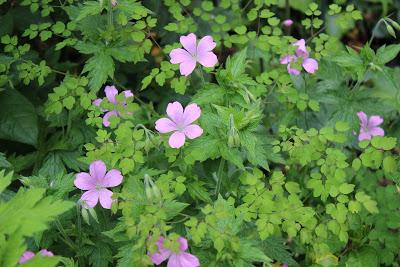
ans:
(301, 57)
(111, 93)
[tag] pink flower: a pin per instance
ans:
(287, 23)
(309, 64)
(193, 53)
(29, 255)
(180, 122)
(369, 127)
(284, 265)
(111, 93)
(179, 259)
(96, 182)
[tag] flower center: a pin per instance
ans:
(98, 186)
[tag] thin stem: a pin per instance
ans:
(219, 176)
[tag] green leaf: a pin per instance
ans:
(386, 54)
(173, 208)
(241, 29)
(346, 188)
(89, 8)
(18, 119)
(389, 164)
(385, 143)
(99, 68)
(237, 64)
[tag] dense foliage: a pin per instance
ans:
(272, 140)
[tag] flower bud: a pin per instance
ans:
(233, 134)
(151, 189)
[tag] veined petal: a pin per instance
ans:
(90, 198)
(105, 198)
(374, 121)
(175, 112)
(363, 119)
(84, 181)
(207, 59)
(364, 136)
(183, 259)
(179, 55)
(128, 93)
(183, 244)
(165, 125)
(111, 92)
(106, 117)
(187, 67)
(177, 140)
(189, 42)
(377, 131)
(26, 256)
(162, 254)
(46, 253)
(193, 131)
(97, 169)
(206, 44)
(287, 59)
(191, 113)
(113, 178)
(310, 65)
(292, 71)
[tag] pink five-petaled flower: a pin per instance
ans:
(111, 93)
(287, 23)
(180, 122)
(193, 52)
(29, 255)
(96, 182)
(309, 64)
(179, 259)
(369, 127)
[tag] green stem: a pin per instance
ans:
(219, 176)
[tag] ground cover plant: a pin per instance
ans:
(187, 133)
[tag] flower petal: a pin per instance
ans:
(90, 198)
(105, 198)
(107, 116)
(363, 119)
(46, 253)
(175, 112)
(287, 22)
(111, 92)
(206, 44)
(97, 169)
(176, 140)
(189, 42)
(191, 113)
(292, 71)
(97, 102)
(193, 131)
(310, 65)
(374, 121)
(127, 93)
(364, 136)
(187, 67)
(183, 260)
(26, 256)
(183, 244)
(162, 254)
(301, 50)
(179, 55)
(113, 178)
(165, 125)
(207, 59)
(84, 181)
(287, 59)
(377, 131)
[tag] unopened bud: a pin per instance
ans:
(151, 189)
(233, 135)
